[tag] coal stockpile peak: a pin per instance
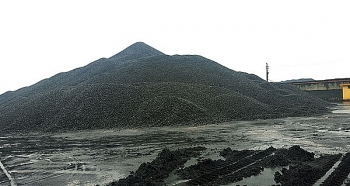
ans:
(143, 87)
(137, 50)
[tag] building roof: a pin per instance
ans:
(339, 80)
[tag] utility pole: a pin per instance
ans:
(267, 72)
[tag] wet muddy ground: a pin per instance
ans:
(101, 156)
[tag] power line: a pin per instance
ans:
(311, 64)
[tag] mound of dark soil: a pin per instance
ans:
(297, 167)
(141, 86)
(155, 172)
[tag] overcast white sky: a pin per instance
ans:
(299, 39)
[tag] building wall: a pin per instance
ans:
(329, 95)
(319, 86)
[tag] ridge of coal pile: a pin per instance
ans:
(143, 87)
(295, 167)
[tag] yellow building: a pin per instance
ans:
(346, 91)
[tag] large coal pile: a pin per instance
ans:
(141, 87)
(295, 167)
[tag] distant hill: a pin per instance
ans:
(298, 80)
(141, 87)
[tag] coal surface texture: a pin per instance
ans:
(296, 167)
(143, 87)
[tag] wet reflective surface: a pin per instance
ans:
(100, 156)
(343, 107)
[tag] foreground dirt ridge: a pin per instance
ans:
(295, 167)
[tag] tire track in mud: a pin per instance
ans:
(339, 175)
(209, 166)
(8, 175)
(307, 173)
(228, 170)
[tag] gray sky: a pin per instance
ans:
(299, 39)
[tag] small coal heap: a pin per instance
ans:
(296, 167)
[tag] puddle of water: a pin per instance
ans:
(174, 179)
(191, 161)
(343, 108)
(341, 111)
(265, 178)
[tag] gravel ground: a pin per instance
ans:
(101, 156)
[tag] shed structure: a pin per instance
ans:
(329, 89)
(346, 91)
